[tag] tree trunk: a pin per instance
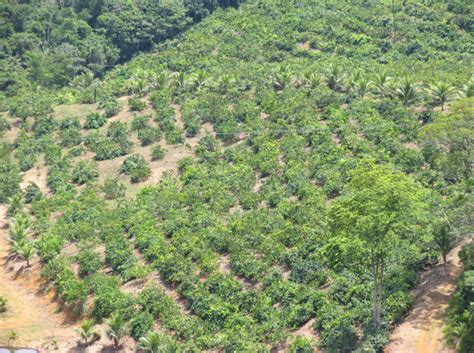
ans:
(378, 270)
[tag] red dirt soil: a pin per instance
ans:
(422, 330)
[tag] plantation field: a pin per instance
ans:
(275, 178)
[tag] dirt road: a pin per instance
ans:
(30, 316)
(422, 330)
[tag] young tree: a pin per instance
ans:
(445, 240)
(381, 207)
(335, 77)
(381, 85)
(117, 329)
(86, 332)
(157, 342)
(26, 252)
(441, 93)
(407, 91)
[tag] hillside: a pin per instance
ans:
(274, 178)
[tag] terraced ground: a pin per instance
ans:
(203, 195)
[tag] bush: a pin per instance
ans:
(111, 107)
(89, 262)
(9, 179)
(3, 305)
(4, 125)
(70, 137)
(301, 345)
(84, 172)
(94, 121)
(32, 192)
(140, 122)
(157, 153)
(136, 167)
(113, 189)
(136, 104)
(141, 324)
(108, 300)
(149, 135)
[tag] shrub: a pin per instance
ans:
(149, 135)
(136, 167)
(140, 122)
(136, 104)
(3, 305)
(118, 133)
(84, 172)
(141, 324)
(301, 345)
(32, 192)
(9, 179)
(113, 189)
(94, 121)
(89, 262)
(157, 152)
(111, 107)
(4, 125)
(70, 137)
(108, 300)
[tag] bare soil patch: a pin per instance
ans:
(422, 330)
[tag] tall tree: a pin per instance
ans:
(381, 207)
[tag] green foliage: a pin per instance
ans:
(136, 105)
(113, 189)
(86, 332)
(460, 326)
(89, 262)
(32, 192)
(3, 304)
(447, 142)
(149, 135)
(9, 179)
(111, 107)
(273, 220)
(301, 345)
(136, 167)
(84, 172)
(117, 329)
(141, 324)
(157, 153)
(94, 121)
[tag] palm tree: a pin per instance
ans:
(200, 79)
(311, 80)
(179, 79)
(445, 239)
(407, 91)
(468, 89)
(158, 343)
(18, 227)
(282, 78)
(26, 252)
(117, 329)
(159, 80)
(380, 85)
(137, 83)
(335, 77)
(86, 332)
(224, 83)
(362, 86)
(16, 204)
(441, 93)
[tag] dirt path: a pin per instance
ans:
(31, 316)
(422, 330)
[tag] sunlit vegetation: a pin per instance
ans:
(324, 158)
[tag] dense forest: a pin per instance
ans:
(252, 170)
